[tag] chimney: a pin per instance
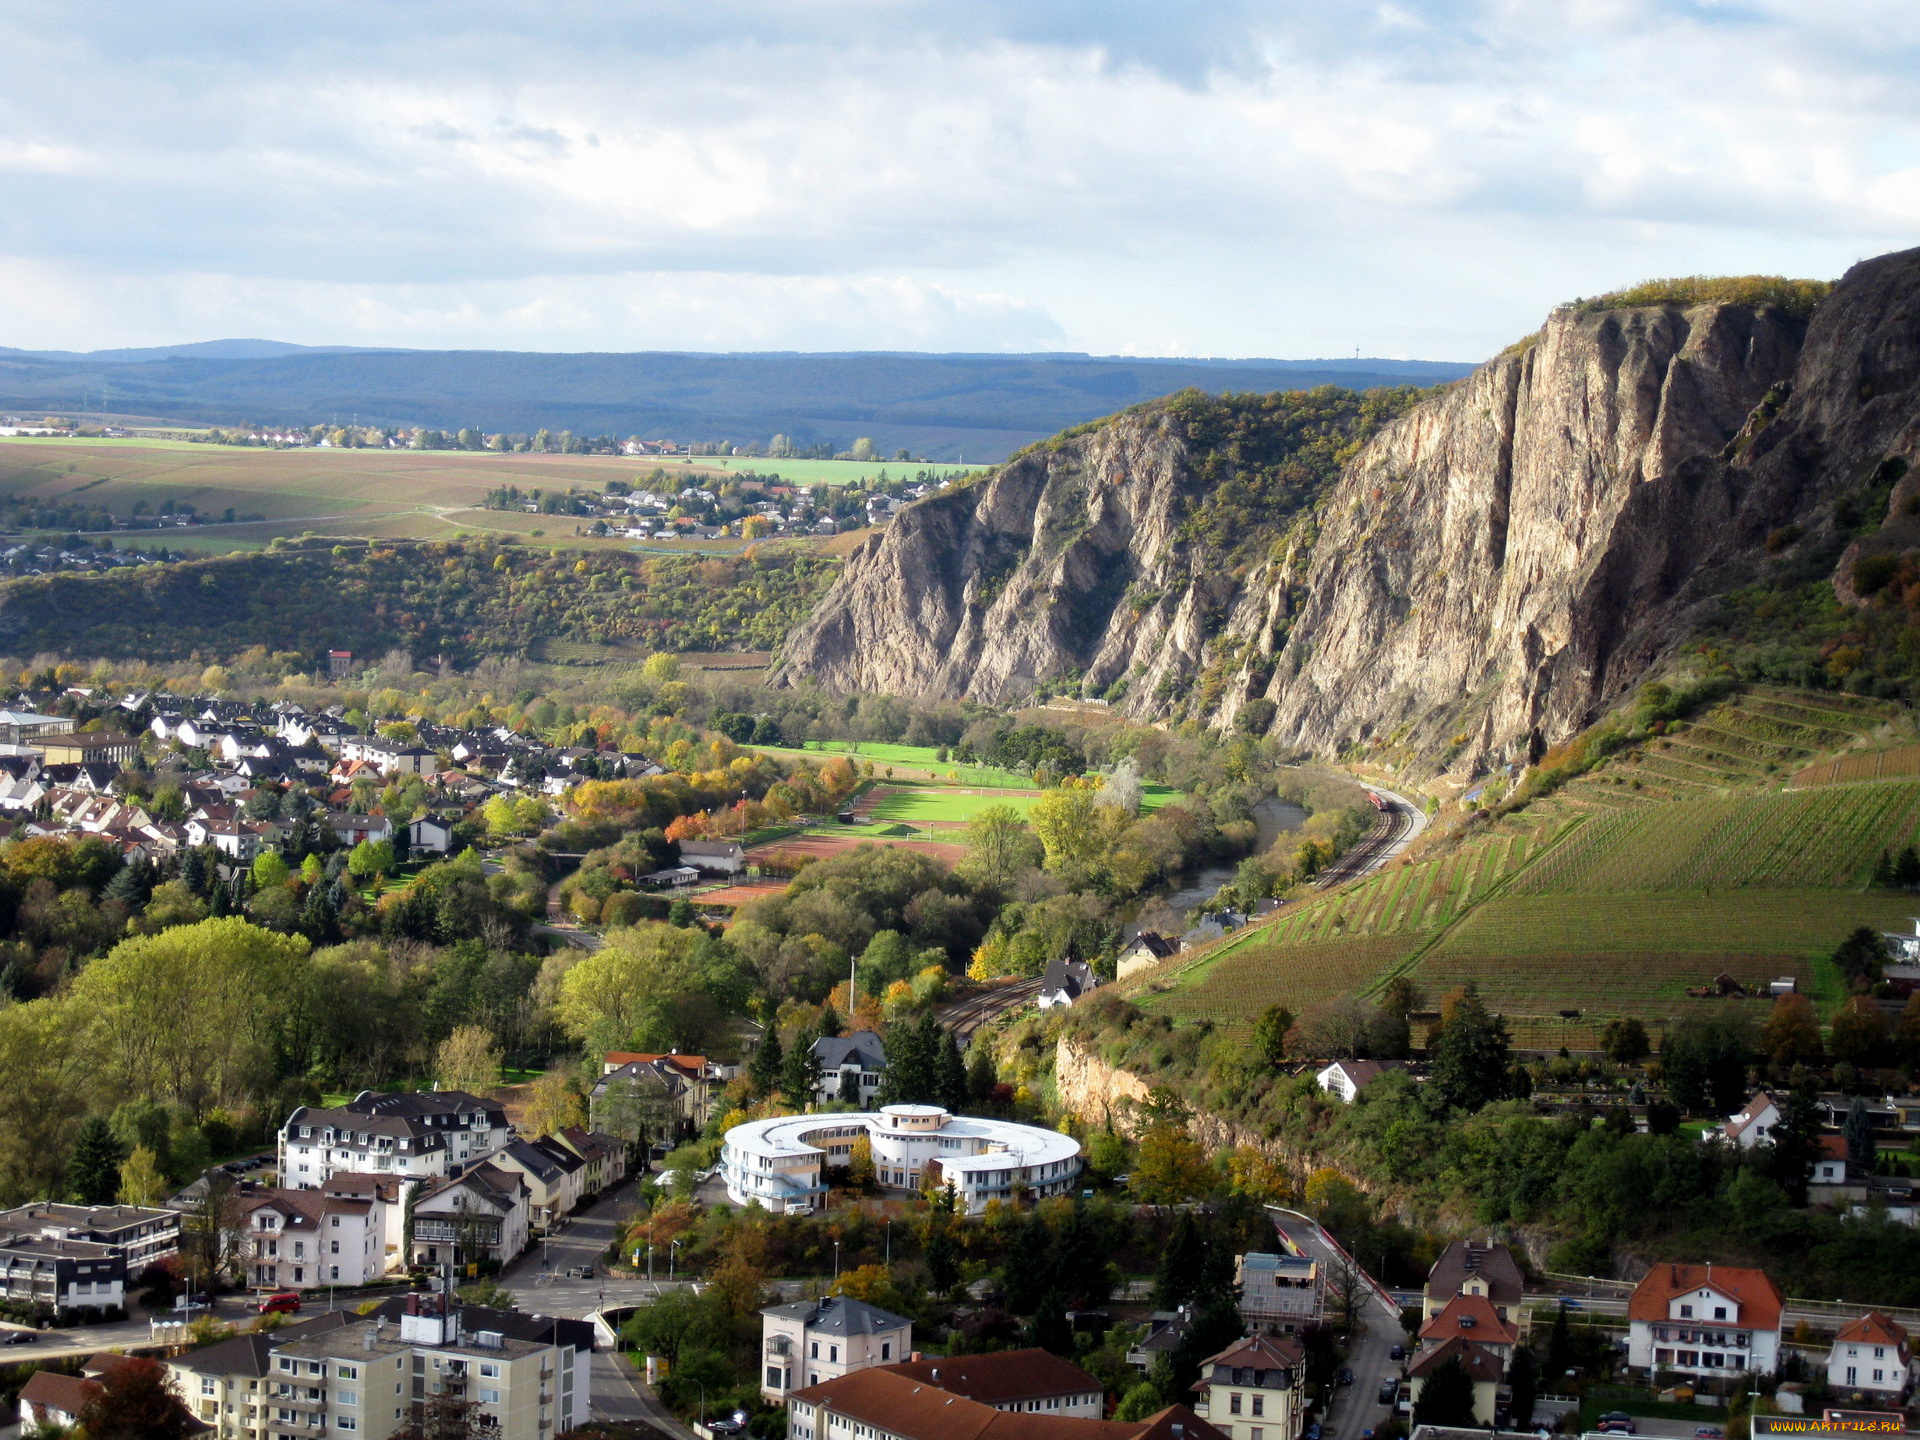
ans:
(935, 1377)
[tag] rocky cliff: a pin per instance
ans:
(1487, 573)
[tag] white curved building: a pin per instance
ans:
(780, 1163)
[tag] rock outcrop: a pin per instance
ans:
(1488, 573)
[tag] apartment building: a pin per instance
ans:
(422, 1134)
(480, 1215)
(1705, 1322)
(300, 1239)
(141, 1234)
(518, 1377)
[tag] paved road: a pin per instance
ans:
(1356, 1407)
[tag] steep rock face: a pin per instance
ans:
(1507, 559)
(1024, 578)
(1489, 572)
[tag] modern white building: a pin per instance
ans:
(780, 1164)
(424, 1134)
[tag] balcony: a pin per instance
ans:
(304, 1403)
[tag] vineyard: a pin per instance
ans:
(1674, 861)
(1866, 765)
(1791, 839)
(1235, 987)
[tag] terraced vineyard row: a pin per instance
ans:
(1234, 990)
(1784, 839)
(1867, 765)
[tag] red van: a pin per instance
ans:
(286, 1302)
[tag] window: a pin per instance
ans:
(1686, 1312)
(1233, 1403)
(1719, 1312)
(335, 1272)
(336, 1223)
(489, 1372)
(1259, 1404)
(774, 1378)
(336, 1247)
(345, 1422)
(489, 1397)
(886, 1349)
(346, 1397)
(814, 1351)
(349, 1372)
(207, 1386)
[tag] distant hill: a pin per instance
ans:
(979, 407)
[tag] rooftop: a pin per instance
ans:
(839, 1315)
(1004, 1377)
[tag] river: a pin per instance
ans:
(1274, 817)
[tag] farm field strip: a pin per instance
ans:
(1240, 984)
(1863, 766)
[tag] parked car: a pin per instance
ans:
(1389, 1391)
(18, 1337)
(1615, 1422)
(1313, 1431)
(287, 1302)
(1398, 1352)
(581, 1272)
(1709, 1432)
(1346, 1376)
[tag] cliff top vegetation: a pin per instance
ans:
(1796, 297)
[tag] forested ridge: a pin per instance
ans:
(461, 600)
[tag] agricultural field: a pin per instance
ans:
(1233, 987)
(1792, 839)
(366, 494)
(1662, 868)
(948, 805)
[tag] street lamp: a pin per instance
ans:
(889, 1240)
(673, 1256)
(836, 1260)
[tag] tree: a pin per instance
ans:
(1860, 956)
(1171, 1167)
(1447, 1397)
(554, 1103)
(764, 1069)
(1624, 1041)
(136, 1403)
(1071, 833)
(142, 1181)
(1000, 847)
(467, 1060)
(943, 1262)
(213, 1235)
(1705, 1059)
(370, 858)
(1791, 1035)
(1523, 1379)
(1795, 1143)
(799, 1070)
(1863, 1148)
(1473, 1056)
(1270, 1036)
(1180, 1264)
(952, 1074)
(93, 1170)
(1860, 1035)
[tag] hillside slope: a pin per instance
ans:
(1486, 575)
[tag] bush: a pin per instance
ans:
(1797, 297)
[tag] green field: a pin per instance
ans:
(917, 804)
(1658, 871)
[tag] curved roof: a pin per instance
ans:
(1002, 1142)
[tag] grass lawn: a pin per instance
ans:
(921, 803)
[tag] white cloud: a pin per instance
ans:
(1243, 177)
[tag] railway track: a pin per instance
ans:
(970, 1014)
(1400, 820)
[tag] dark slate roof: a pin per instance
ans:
(839, 1315)
(862, 1048)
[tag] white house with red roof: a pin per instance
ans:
(1870, 1359)
(1705, 1321)
(1755, 1122)
(1474, 1319)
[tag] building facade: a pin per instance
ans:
(1252, 1389)
(1704, 1322)
(1280, 1294)
(1871, 1359)
(810, 1341)
(305, 1239)
(423, 1134)
(780, 1164)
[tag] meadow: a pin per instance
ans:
(929, 804)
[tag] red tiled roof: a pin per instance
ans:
(883, 1397)
(694, 1065)
(1482, 1364)
(1873, 1328)
(1472, 1317)
(1002, 1378)
(1259, 1352)
(1759, 1299)
(1833, 1147)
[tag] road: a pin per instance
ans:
(1356, 1407)
(1398, 827)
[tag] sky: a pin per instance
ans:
(1417, 179)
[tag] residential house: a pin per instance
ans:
(1833, 1176)
(1755, 1122)
(224, 1385)
(720, 857)
(553, 1174)
(1065, 981)
(1483, 1367)
(51, 1401)
(1347, 1078)
(1279, 1294)
(702, 1077)
(850, 1067)
(350, 829)
(304, 1239)
(1166, 1329)
(1476, 1267)
(420, 1134)
(1900, 944)
(606, 1157)
(482, 1214)
(391, 1192)
(1472, 1318)
(1704, 1322)
(390, 757)
(1252, 1390)
(649, 1099)
(1029, 1381)
(1149, 948)
(430, 835)
(1871, 1359)
(809, 1341)
(140, 1234)
(880, 1403)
